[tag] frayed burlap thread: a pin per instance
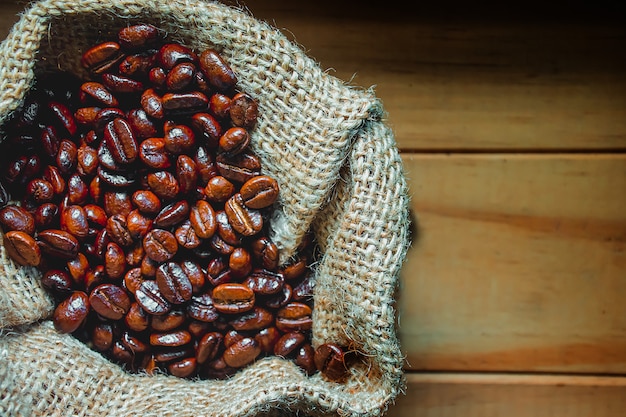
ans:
(340, 175)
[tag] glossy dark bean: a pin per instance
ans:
(231, 298)
(157, 77)
(141, 125)
(14, 217)
(150, 298)
(245, 221)
(196, 275)
(169, 321)
(135, 254)
(74, 220)
(117, 203)
(110, 301)
(259, 192)
(153, 153)
(78, 267)
(219, 105)
(163, 184)
(183, 368)
(63, 117)
(138, 36)
(239, 168)
(202, 308)
(58, 243)
(116, 179)
(226, 231)
(137, 319)
(77, 190)
(240, 262)
(170, 339)
(121, 141)
(295, 269)
(95, 93)
(46, 216)
(330, 361)
(120, 84)
(217, 271)
(96, 216)
(172, 214)
(265, 252)
(264, 282)
(148, 266)
(71, 313)
(137, 65)
(202, 218)
(186, 174)
(86, 116)
(114, 261)
(160, 245)
(219, 189)
(173, 283)
(117, 230)
(242, 353)
(181, 76)
(146, 202)
(209, 347)
(57, 281)
(105, 116)
(66, 159)
(138, 224)
(186, 236)
(244, 110)
(175, 104)
(172, 54)
(102, 57)
(218, 72)
(267, 338)
(132, 343)
(234, 141)
(289, 344)
(102, 336)
(178, 138)
(87, 160)
(294, 316)
(305, 359)
(50, 141)
(207, 128)
(256, 319)
(152, 104)
(133, 279)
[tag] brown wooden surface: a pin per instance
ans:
(511, 119)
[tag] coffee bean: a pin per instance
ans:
(245, 221)
(181, 76)
(219, 105)
(231, 298)
(117, 203)
(77, 190)
(172, 214)
(152, 104)
(109, 301)
(138, 36)
(102, 336)
(74, 221)
(170, 339)
(63, 117)
(242, 353)
(173, 283)
(163, 184)
(183, 368)
(289, 344)
(209, 347)
(218, 72)
(169, 321)
(71, 313)
(138, 225)
(234, 141)
(186, 236)
(264, 282)
(137, 65)
(121, 141)
(160, 245)
(102, 57)
(137, 319)
(265, 252)
(58, 243)
(330, 361)
(176, 104)
(239, 168)
(153, 153)
(120, 84)
(95, 93)
(244, 110)
(305, 359)
(219, 189)
(114, 261)
(14, 217)
(87, 160)
(46, 216)
(259, 192)
(240, 262)
(157, 77)
(57, 281)
(186, 174)
(202, 308)
(256, 319)
(150, 298)
(133, 279)
(207, 128)
(67, 157)
(146, 202)
(117, 230)
(78, 268)
(142, 126)
(294, 316)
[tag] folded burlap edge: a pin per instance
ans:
(363, 119)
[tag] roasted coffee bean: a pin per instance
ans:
(219, 105)
(265, 252)
(63, 117)
(137, 65)
(138, 225)
(116, 179)
(289, 344)
(173, 283)
(57, 281)
(146, 202)
(97, 216)
(176, 104)
(14, 217)
(153, 153)
(181, 76)
(100, 244)
(141, 125)
(239, 168)
(226, 231)
(242, 353)
(138, 36)
(172, 214)
(202, 308)
(120, 84)
(160, 245)
(209, 347)
(186, 236)
(133, 279)
(106, 159)
(67, 157)
(133, 343)
(135, 254)
(163, 184)
(78, 268)
(267, 338)
(186, 174)
(183, 368)
(169, 354)
(71, 313)
(117, 203)
(117, 230)
(50, 141)
(305, 359)
(106, 115)
(170, 339)
(219, 189)
(122, 353)
(169, 321)
(202, 218)
(234, 141)
(232, 298)
(150, 298)
(110, 301)
(259, 192)
(148, 267)
(218, 72)
(217, 272)
(207, 128)
(264, 282)
(137, 319)
(152, 104)
(102, 336)
(172, 54)
(240, 263)
(102, 57)
(95, 93)
(87, 160)
(244, 110)
(114, 261)
(330, 361)
(46, 216)
(58, 243)
(157, 77)
(280, 299)
(39, 191)
(74, 220)
(256, 319)
(121, 141)
(53, 175)
(77, 190)
(245, 221)
(294, 316)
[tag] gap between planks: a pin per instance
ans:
(495, 378)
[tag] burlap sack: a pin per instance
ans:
(339, 172)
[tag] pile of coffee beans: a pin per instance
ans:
(136, 194)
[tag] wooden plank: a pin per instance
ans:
(490, 81)
(519, 263)
(473, 395)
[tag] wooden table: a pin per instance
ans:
(512, 126)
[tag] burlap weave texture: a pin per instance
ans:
(340, 175)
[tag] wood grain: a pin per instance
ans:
(484, 395)
(518, 263)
